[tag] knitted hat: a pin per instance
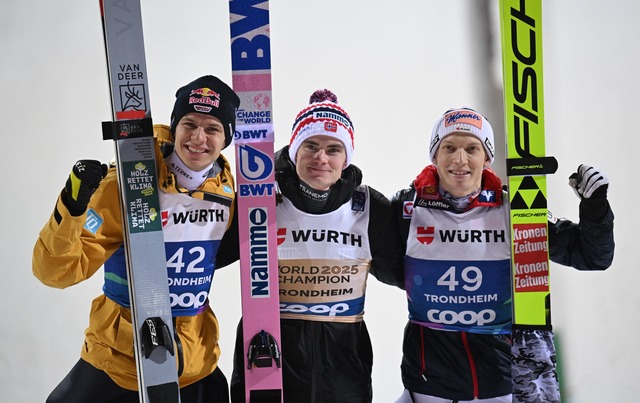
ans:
(211, 96)
(323, 117)
(462, 121)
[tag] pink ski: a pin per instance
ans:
(251, 62)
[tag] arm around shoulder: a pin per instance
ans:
(229, 251)
(386, 247)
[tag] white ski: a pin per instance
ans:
(132, 133)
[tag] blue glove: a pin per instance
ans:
(589, 183)
(82, 183)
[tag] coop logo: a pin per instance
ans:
(188, 300)
(465, 317)
(329, 310)
(254, 166)
(425, 235)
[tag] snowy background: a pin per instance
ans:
(395, 66)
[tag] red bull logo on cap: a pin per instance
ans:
(205, 92)
(204, 96)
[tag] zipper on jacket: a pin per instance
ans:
(423, 363)
(472, 364)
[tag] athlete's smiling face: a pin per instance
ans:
(320, 161)
(460, 160)
(199, 139)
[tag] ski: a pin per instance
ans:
(527, 164)
(254, 136)
(132, 132)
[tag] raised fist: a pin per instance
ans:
(589, 183)
(82, 183)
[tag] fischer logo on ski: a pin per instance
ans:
(251, 63)
(527, 165)
(132, 132)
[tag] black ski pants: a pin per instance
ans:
(85, 383)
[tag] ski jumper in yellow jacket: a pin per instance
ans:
(194, 227)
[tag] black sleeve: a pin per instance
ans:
(386, 264)
(229, 250)
(400, 223)
(588, 245)
(395, 230)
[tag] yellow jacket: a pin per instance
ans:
(66, 253)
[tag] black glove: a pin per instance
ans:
(83, 181)
(589, 184)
